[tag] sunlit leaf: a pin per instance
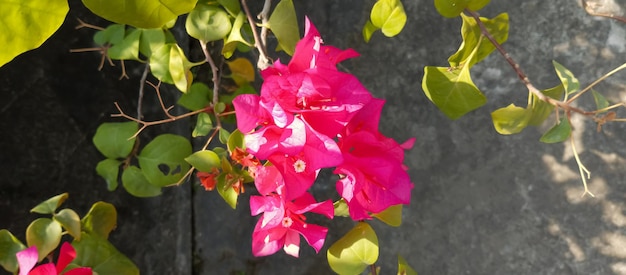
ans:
(452, 8)
(473, 39)
(9, 245)
(204, 160)
(204, 125)
(404, 268)
(98, 253)
(341, 208)
(170, 65)
(145, 14)
(389, 16)
(600, 100)
(569, 81)
(510, 120)
(150, 41)
(235, 37)
(163, 159)
(70, 221)
(355, 251)
(368, 30)
(391, 216)
(112, 34)
(284, 25)
(232, 6)
(100, 220)
(452, 91)
(540, 110)
(44, 233)
(558, 133)
(109, 169)
(113, 140)
(136, 184)
(208, 23)
(27, 24)
(50, 205)
(241, 70)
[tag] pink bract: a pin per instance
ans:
(27, 259)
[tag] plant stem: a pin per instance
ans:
(216, 80)
(142, 85)
(263, 61)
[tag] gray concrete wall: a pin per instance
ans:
(482, 204)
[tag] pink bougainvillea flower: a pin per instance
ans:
(373, 176)
(283, 222)
(27, 259)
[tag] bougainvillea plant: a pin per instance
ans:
(307, 116)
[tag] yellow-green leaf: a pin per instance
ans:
(100, 220)
(208, 23)
(600, 100)
(235, 37)
(284, 25)
(558, 133)
(540, 110)
(474, 41)
(510, 120)
(44, 233)
(109, 169)
(569, 81)
(27, 24)
(204, 160)
(452, 90)
(241, 70)
(9, 245)
(391, 216)
(136, 184)
(50, 205)
(70, 221)
(404, 268)
(145, 14)
(389, 16)
(354, 251)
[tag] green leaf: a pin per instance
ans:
(600, 100)
(355, 251)
(128, 48)
(473, 40)
(235, 37)
(391, 216)
(198, 97)
(98, 253)
(70, 221)
(145, 14)
(389, 16)
(569, 81)
(163, 159)
(284, 25)
(226, 190)
(204, 160)
(452, 8)
(9, 245)
(404, 268)
(510, 120)
(109, 169)
(27, 24)
(150, 41)
(224, 136)
(236, 140)
(341, 208)
(204, 124)
(112, 34)
(50, 205)
(113, 138)
(170, 65)
(452, 91)
(558, 133)
(100, 220)
(242, 71)
(368, 30)
(44, 233)
(208, 23)
(540, 110)
(231, 6)
(137, 185)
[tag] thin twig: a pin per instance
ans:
(520, 73)
(590, 11)
(145, 124)
(142, 85)
(264, 17)
(82, 24)
(216, 80)
(157, 88)
(623, 66)
(582, 169)
(263, 61)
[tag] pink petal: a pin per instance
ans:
(80, 271)
(247, 112)
(292, 243)
(313, 234)
(27, 259)
(44, 269)
(267, 242)
(66, 255)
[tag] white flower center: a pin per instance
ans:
(299, 166)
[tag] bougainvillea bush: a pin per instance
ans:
(304, 115)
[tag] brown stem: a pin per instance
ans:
(142, 86)
(216, 80)
(263, 61)
(264, 17)
(82, 24)
(590, 11)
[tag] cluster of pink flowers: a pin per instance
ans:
(311, 116)
(27, 259)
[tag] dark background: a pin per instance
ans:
(482, 204)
